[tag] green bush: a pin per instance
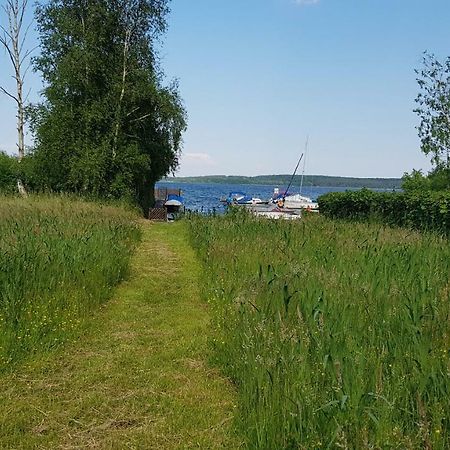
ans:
(426, 211)
(8, 173)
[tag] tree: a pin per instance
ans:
(108, 126)
(415, 181)
(13, 42)
(433, 109)
(13, 39)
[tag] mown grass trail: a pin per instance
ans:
(138, 378)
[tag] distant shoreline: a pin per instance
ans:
(283, 180)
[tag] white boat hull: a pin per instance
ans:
(298, 201)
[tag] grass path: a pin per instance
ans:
(138, 378)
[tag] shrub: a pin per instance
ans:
(426, 211)
(8, 173)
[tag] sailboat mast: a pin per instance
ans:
(292, 178)
(304, 164)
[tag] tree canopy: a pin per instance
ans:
(108, 126)
(433, 109)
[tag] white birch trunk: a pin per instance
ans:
(13, 40)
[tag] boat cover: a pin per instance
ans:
(245, 199)
(174, 200)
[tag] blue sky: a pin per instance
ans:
(258, 76)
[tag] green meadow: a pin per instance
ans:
(59, 261)
(137, 376)
(327, 334)
(103, 333)
(336, 335)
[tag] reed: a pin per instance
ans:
(336, 335)
(59, 260)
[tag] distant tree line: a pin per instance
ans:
(107, 126)
(308, 181)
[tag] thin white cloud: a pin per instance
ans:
(306, 2)
(193, 164)
(198, 157)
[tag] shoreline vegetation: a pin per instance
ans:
(427, 211)
(283, 180)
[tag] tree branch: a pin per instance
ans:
(27, 54)
(26, 97)
(6, 32)
(5, 43)
(142, 117)
(9, 94)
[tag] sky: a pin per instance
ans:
(260, 76)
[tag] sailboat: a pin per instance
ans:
(298, 201)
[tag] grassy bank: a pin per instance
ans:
(337, 335)
(138, 377)
(59, 260)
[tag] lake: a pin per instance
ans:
(206, 196)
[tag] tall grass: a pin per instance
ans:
(337, 335)
(59, 260)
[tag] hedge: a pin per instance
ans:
(426, 211)
(8, 173)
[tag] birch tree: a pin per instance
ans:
(108, 126)
(12, 38)
(433, 109)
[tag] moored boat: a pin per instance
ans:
(174, 206)
(294, 201)
(241, 198)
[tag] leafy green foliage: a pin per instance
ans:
(415, 181)
(436, 180)
(433, 109)
(335, 333)
(440, 178)
(108, 126)
(8, 173)
(423, 210)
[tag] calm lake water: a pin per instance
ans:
(206, 196)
